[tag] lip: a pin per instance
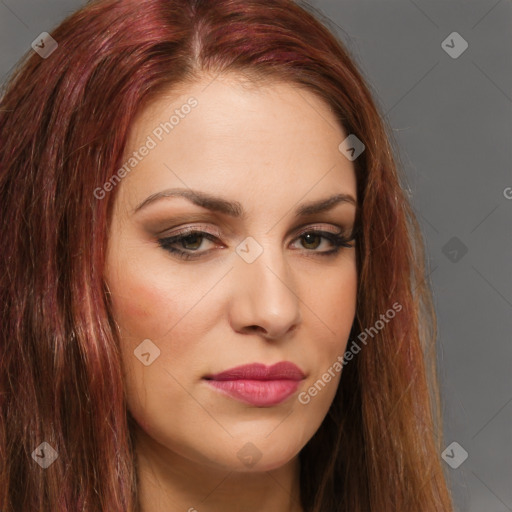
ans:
(257, 384)
(258, 371)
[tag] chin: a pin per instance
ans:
(266, 456)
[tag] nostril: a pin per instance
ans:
(256, 328)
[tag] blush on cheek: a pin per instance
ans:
(140, 301)
(136, 310)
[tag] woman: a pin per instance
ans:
(214, 282)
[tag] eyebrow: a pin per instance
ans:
(235, 209)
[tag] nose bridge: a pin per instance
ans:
(266, 293)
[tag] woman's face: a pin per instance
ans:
(261, 285)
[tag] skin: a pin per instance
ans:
(272, 148)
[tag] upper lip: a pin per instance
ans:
(258, 371)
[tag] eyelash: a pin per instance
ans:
(337, 240)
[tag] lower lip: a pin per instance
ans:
(262, 393)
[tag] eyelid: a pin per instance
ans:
(188, 229)
(303, 228)
(319, 227)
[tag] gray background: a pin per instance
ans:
(451, 119)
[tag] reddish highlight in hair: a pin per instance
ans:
(64, 122)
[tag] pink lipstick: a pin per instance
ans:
(257, 384)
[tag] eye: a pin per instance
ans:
(312, 239)
(189, 240)
(187, 243)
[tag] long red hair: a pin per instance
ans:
(64, 122)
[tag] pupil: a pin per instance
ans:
(189, 239)
(308, 237)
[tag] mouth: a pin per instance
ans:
(257, 384)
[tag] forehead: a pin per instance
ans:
(237, 135)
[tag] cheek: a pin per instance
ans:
(333, 300)
(142, 309)
(331, 307)
(336, 306)
(138, 305)
(149, 308)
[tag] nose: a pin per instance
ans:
(265, 298)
